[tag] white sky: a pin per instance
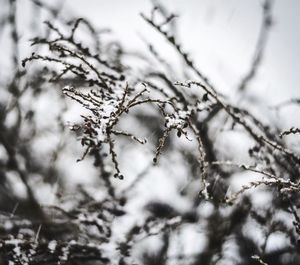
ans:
(220, 35)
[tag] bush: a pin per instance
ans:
(127, 114)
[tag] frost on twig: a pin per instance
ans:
(177, 119)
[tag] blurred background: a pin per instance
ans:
(221, 37)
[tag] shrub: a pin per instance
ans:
(115, 97)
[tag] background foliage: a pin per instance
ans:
(136, 125)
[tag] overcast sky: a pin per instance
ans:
(221, 35)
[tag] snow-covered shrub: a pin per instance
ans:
(195, 200)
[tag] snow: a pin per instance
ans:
(52, 245)
(224, 65)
